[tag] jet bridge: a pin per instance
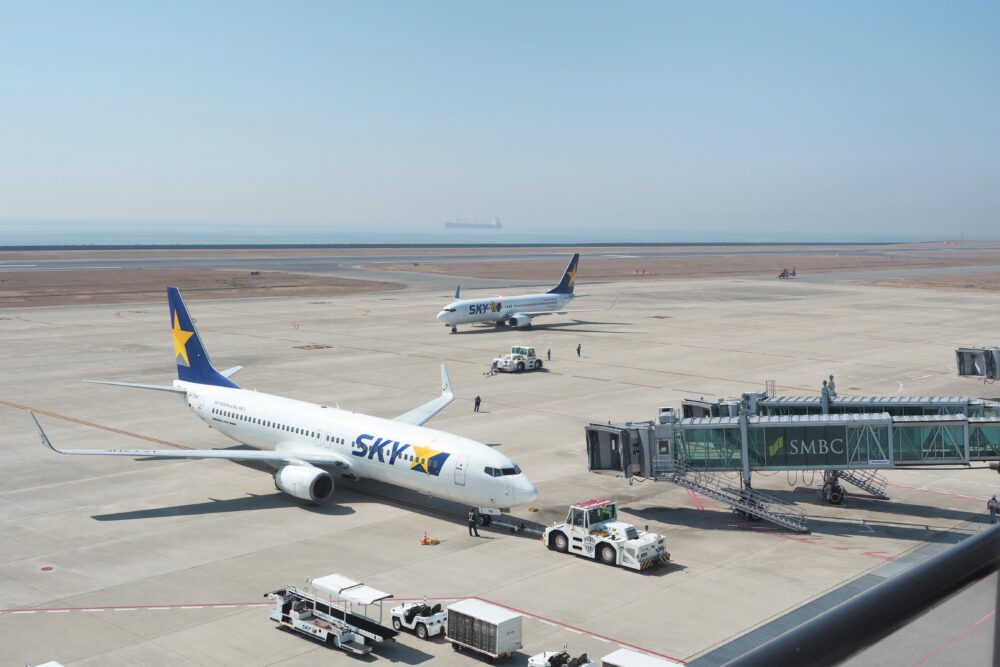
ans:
(700, 453)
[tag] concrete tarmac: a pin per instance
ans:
(108, 561)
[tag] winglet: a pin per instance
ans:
(458, 292)
(41, 433)
(446, 383)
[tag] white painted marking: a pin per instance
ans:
(24, 611)
(126, 609)
(601, 639)
(548, 623)
(197, 606)
(8, 266)
(574, 630)
(157, 608)
(225, 606)
(58, 611)
(91, 610)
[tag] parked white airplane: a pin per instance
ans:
(518, 311)
(302, 441)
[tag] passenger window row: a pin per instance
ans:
(269, 424)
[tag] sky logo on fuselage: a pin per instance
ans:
(386, 450)
(483, 308)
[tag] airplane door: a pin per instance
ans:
(460, 465)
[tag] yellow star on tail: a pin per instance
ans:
(180, 340)
(572, 276)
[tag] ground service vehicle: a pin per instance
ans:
(327, 612)
(559, 659)
(484, 628)
(624, 657)
(520, 359)
(592, 529)
(423, 620)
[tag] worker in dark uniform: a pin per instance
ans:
(478, 401)
(578, 348)
(473, 530)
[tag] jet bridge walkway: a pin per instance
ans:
(698, 452)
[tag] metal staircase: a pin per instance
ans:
(747, 502)
(867, 480)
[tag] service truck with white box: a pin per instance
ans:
(483, 627)
(592, 529)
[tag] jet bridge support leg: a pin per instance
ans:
(832, 490)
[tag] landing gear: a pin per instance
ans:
(832, 489)
(454, 329)
(484, 519)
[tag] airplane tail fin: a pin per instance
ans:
(192, 360)
(565, 285)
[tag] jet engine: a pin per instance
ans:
(304, 482)
(520, 321)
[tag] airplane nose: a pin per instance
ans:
(442, 315)
(524, 492)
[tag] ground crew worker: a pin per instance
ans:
(473, 531)
(478, 401)
(992, 505)
(578, 347)
(548, 355)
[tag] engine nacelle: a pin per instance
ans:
(304, 482)
(520, 321)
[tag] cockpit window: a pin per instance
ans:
(493, 472)
(512, 471)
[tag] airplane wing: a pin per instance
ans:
(284, 456)
(420, 415)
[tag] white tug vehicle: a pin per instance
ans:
(421, 619)
(592, 529)
(520, 359)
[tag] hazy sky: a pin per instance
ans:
(867, 117)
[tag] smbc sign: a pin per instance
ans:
(806, 445)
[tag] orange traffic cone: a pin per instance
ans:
(424, 540)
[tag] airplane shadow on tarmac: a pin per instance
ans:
(555, 327)
(276, 500)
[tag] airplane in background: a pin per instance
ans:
(303, 442)
(518, 311)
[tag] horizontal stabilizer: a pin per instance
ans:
(230, 372)
(136, 385)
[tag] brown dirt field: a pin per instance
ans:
(12, 255)
(598, 268)
(989, 282)
(96, 286)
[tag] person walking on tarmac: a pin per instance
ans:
(477, 402)
(992, 505)
(578, 348)
(473, 531)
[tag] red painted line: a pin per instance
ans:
(940, 493)
(941, 647)
(695, 499)
(22, 610)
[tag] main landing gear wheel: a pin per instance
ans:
(484, 519)
(454, 329)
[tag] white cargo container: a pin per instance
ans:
(484, 627)
(624, 657)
